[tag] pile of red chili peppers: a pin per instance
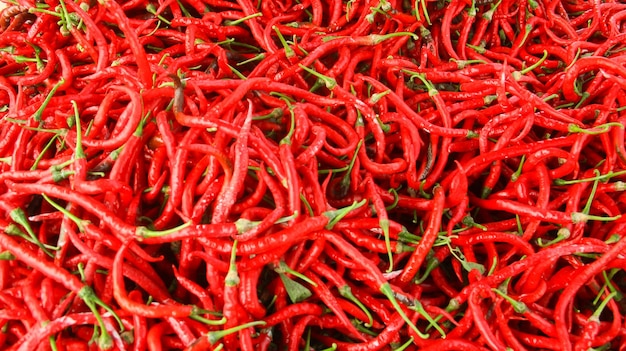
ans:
(312, 175)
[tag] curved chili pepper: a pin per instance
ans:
(430, 235)
(140, 309)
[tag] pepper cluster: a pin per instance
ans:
(312, 175)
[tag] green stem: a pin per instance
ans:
(214, 336)
(284, 268)
(244, 225)
(274, 115)
(518, 222)
(142, 232)
(282, 96)
(425, 9)
(384, 225)
(93, 301)
(346, 292)
(470, 223)
(423, 5)
(18, 216)
(78, 152)
(258, 57)
(607, 283)
(332, 347)
(53, 343)
(335, 216)
(595, 317)
(386, 290)
(396, 199)
(550, 97)
(578, 217)
(44, 11)
(562, 234)
(431, 263)
(242, 19)
(592, 194)
(43, 152)
(598, 177)
(349, 5)
(408, 237)
(289, 52)
(37, 59)
(417, 306)
(46, 101)
(232, 277)
(81, 271)
(329, 82)
(472, 10)
(468, 266)
(600, 129)
(207, 321)
(464, 63)
(518, 306)
(518, 172)
(307, 205)
(527, 29)
(405, 345)
(6, 256)
(478, 49)
(494, 264)
(237, 73)
(377, 96)
(583, 97)
(66, 19)
(151, 9)
(292, 127)
(344, 183)
(22, 124)
(432, 91)
(24, 59)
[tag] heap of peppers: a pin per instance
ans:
(315, 175)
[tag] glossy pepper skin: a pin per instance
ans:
(324, 174)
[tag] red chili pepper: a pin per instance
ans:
(579, 280)
(195, 289)
(143, 66)
(30, 298)
(323, 292)
(180, 129)
(43, 332)
(430, 235)
(584, 65)
(292, 311)
(136, 308)
(383, 338)
(248, 293)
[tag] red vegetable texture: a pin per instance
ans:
(312, 175)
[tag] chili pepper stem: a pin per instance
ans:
(214, 336)
(144, 232)
(336, 215)
(417, 306)
(197, 317)
(388, 292)
(579, 217)
(346, 292)
(92, 301)
(46, 101)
